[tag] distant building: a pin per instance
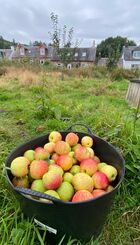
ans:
(82, 56)
(131, 57)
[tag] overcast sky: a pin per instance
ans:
(29, 20)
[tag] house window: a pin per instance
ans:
(22, 51)
(76, 54)
(136, 54)
(42, 51)
(42, 62)
(69, 66)
(84, 54)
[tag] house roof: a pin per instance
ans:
(50, 53)
(128, 52)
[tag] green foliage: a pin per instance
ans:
(4, 44)
(62, 40)
(112, 43)
(90, 98)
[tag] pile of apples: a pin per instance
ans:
(65, 169)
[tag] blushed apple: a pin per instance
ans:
(97, 159)
(49, 147)
(88, 166)
(82, 181)
(19, 166)
(91, 151)
(54, 157)
(65, 191)
(65, 162)
(72, 139)
(110, 171)
(82, 195)
(30, 154)
(37, 185)
(81, 153)
(100, 180)
(38, 168)
(55, 136)
(62, 147)
(98, 192)
(52, 180)
(22, 182)
(41, 154)
(75, 169)
(56, 169)
(87, 141)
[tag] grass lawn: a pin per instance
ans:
(32, 103)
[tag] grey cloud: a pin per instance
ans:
(30, 19)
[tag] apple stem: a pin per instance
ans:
(7, 168)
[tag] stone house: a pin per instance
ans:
(82, 56)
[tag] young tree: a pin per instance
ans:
(61, 39)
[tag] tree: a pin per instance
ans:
(61, 39)
(111, 48)
(116, 43)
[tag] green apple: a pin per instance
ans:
(37, 185)
(65, 191)
(30, 154)
(101, 165)
(68, 177)
(110, 171)
(52, 193)
(75, 169)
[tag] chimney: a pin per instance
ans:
(93, 44)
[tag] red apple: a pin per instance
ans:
(19, 166)
(38, 168)
(88, 166)
(52, 180)
(72, 139)
(98, 192)
(65, 162)
(97, 159)
(55, 136)
(41, 153)
(87, 141)
(100, 180)
(49, 147)
(62, 147)
(54, 157)
(81, 153)
(82, 181)
(81, 196)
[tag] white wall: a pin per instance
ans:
(130, 64)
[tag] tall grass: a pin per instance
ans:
(89, 96)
